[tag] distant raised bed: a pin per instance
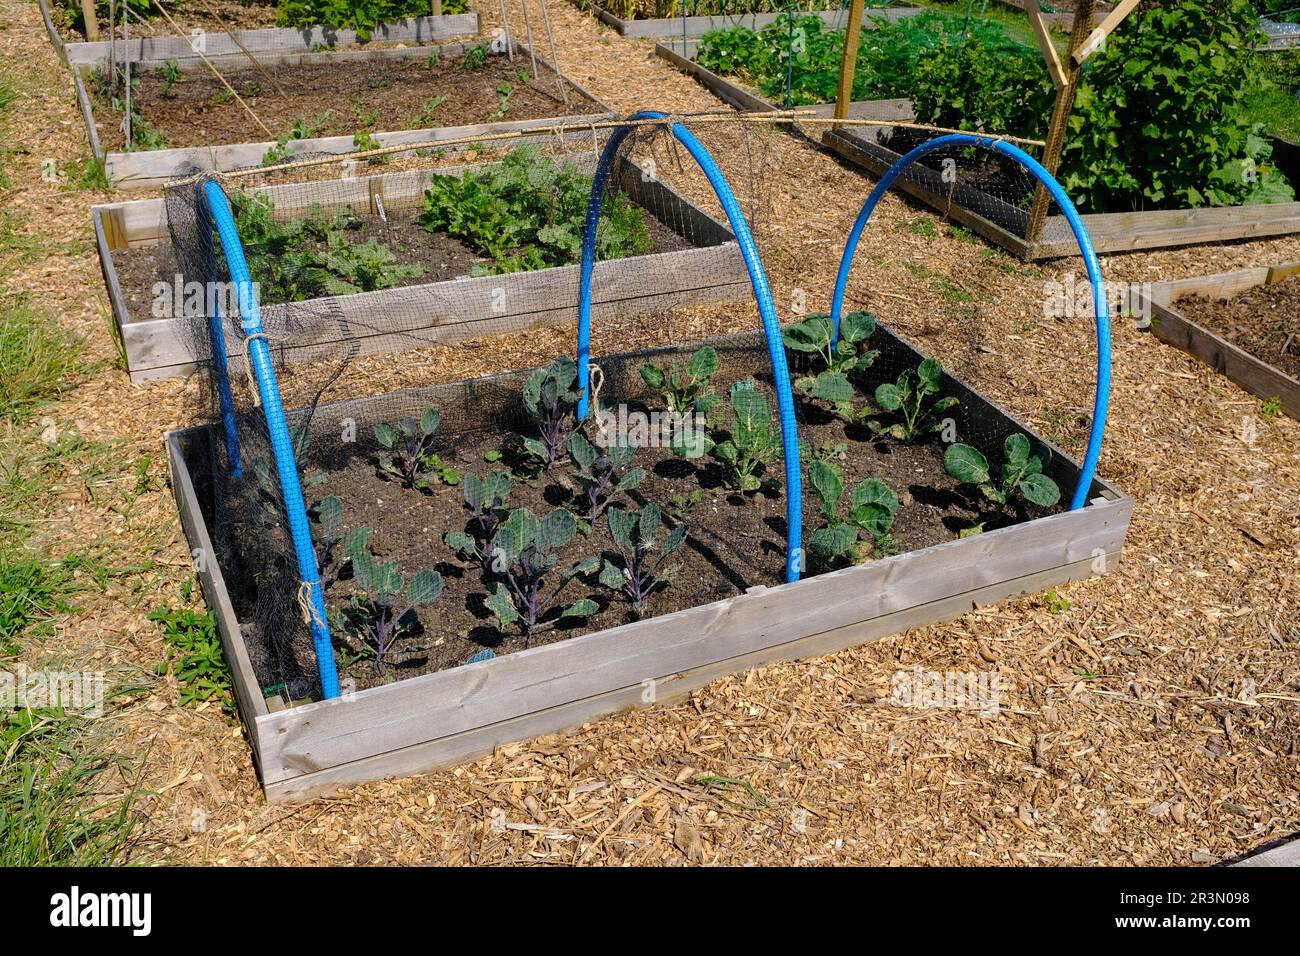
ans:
(635, 23)
(469, 671)
(428, 295)
(252, 24)
(185, 120)
(1244, 324)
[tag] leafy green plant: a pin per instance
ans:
(637, 569)
(1271, 408)
(602, 474)
(413, 462)
(385, 609)
(872, 507)
(281, 152)
(486, 499)
(475, 58)
(751, 444)
(1021, 475)
(504, 92)
(364, 142)
(195, 657)
(32, 593)
(425, 120)
(686, 390)
(551, 400)
(360, 15)
(831, 384)
(528, 212)
(525, 552)
(683, 503)
(170, 72)
(907, 397)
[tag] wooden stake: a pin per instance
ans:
(1083, 17)
(437, 8)
(849, 64)
(92, 19)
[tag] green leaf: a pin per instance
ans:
(386, 435)
(555, 531)
(517, 533)
(930, 374)
(690, 442)
(652, 375)
(630, 480)
(622, 526)
(873, 491)
(703, 363)
(424, 588)
(833, 387)
(889, 397)
(429, 422)
(857, 327)
(966, 464)
(674, 539)
(585, 607)
(648, 526)
(611, 576)
(583, 452)
(330, 512)
(1016, 449)
(1040, 489)
(356, 541)
(827, 484)
(874, 518)
(834, 543)
(502, 605)
(459, 541)
(750, 405)
(534, 447)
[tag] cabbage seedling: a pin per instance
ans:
(1021, 475)
(831, 384)
(412, 462)
(751, 445)
(686, 390)
(524, 553)
(385, 610)
(551, 401)
(598, 474)
(872, 507)
(486, 498)
(639, 570)
(908, 397)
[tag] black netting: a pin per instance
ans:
(391, 291)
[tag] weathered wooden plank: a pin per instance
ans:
(269, 40)
(669, 688)
(1251, 373)
(53, 31)
(248, 693)
(698, 26)
(398, 715)
(152, 168)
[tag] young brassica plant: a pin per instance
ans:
(486, 499)
(908, 397)
(872, 507)
(384, 610)
(1021, 475)
(412, 462)
(751, 444)
(639, 570)
(328, 535)
(524, 553)
(551, 401)
(686, 390)
(831, 384)
(598, 474)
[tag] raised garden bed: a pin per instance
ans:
(693, 259)
(1244, 324)
(256, 33)
(383, 97)
(696, 26)
(877, 148)
(726, 610)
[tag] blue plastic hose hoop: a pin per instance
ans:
(259, 355)
(1101, 399)
(762, 294)
(220, 362)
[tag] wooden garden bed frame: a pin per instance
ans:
(698, 26)
(454, 310)
(151, 168)
(259, 40)
(1246, 370)
(436, 720)
(1111, 232)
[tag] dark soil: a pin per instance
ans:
(440, 255)
(1264, 322)
(358, 96)
(735, 541)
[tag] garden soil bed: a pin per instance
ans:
(360, 95)
(735, 541)
(1264, 321)
(441, 256)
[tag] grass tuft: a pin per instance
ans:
(38, 360)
